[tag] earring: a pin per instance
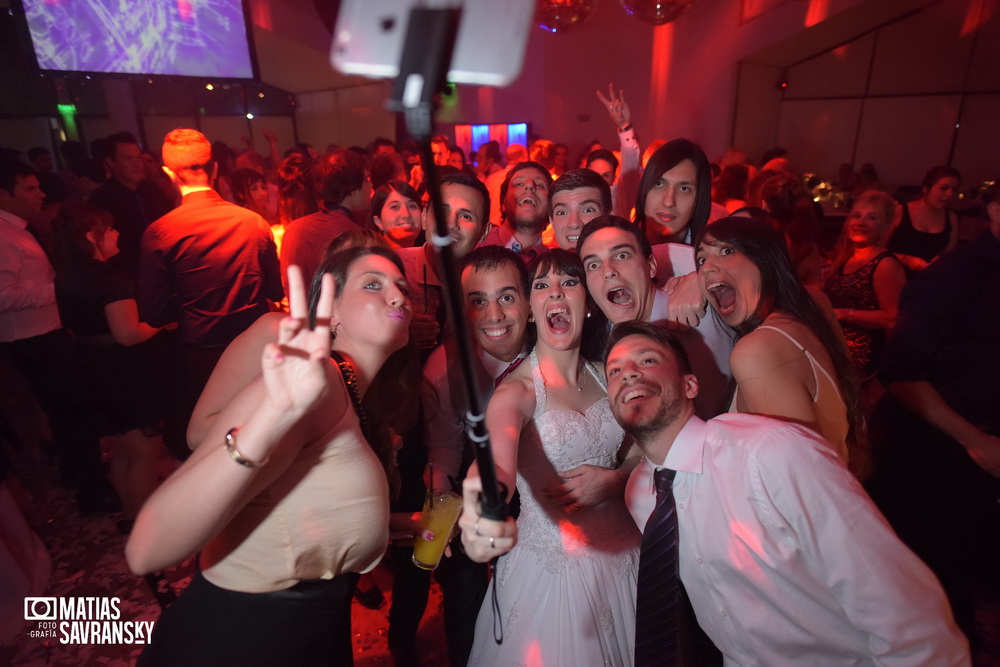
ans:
(333, 330)
(588, 313)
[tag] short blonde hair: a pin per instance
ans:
(185, 148)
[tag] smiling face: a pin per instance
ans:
(373, 306)
(497, 309)
(463, 210)
(729, 280)
(671, 202)
(526, 206)
(559, 308)
(399, 220)
(866, 225)
(571, 210)
(941, 194)
(648, 390)
(619, 278)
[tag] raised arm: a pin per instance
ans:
(237, 368)
(292, 403)
(509, 410)
(631, 157)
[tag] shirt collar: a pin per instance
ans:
(495, 367)
(688, 450)
(508, 240)
(15, 220)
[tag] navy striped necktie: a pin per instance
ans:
(658, 600)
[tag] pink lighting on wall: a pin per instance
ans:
(818, 11)
(659, 78)
(980, 11)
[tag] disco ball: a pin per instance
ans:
(657, 12)
(562, 15)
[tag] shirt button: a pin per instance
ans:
(724, 613)
(681, 505)
(701, 561)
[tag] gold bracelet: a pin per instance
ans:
(237, 454)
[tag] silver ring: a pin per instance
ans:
(493, 543)
(475, 529)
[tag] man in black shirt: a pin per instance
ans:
(133, 201)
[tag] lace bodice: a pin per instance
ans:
(556, 441)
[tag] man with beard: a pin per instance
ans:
(525, 200)
(783, 556)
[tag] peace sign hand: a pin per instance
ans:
(295, 369)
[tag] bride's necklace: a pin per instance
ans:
(583, 384)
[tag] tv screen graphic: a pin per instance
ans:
(201, 38)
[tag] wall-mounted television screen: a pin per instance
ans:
(200, 38)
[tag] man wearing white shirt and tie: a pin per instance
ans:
(783, 556)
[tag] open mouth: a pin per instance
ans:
(573, 239)
(636, 393)
(496, 333)
(621, 296)
(558, 320)
(724, 296)
(527, 201)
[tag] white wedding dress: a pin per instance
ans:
(566, 592)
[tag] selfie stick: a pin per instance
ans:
(427, 51)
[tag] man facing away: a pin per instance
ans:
(209, 265)
(783, 556)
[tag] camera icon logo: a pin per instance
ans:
(40, 609)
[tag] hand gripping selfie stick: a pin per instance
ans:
(427, 51)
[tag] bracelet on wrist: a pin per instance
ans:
(237, 455)
(625, 128)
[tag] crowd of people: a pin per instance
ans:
(707, 396)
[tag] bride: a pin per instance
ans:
(566, 591)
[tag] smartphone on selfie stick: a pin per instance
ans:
(424, 44)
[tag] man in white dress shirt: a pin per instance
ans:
(783, 556)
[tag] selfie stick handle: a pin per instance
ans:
(427, 51)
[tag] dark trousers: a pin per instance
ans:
(939, 502)
(308, 624)
(463, 584)
(192, 367)
(48, 365)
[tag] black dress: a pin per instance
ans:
(120, 385)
